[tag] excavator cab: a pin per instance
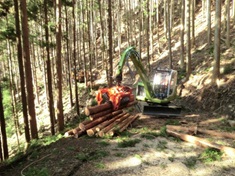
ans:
(164, 82)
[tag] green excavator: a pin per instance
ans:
(154, 93)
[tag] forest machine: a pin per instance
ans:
(153, 93)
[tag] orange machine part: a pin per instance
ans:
(115, 95)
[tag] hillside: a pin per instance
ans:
(154, 152)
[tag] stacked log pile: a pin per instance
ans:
(103, 120)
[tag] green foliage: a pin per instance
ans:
(150, 135)
(190, 162)
(34, 171)
(172, 158)
(81, 157)
(210, 155)
(163, 132)
(5, 6)
(95, 155)
(162, 145)
(44, 141)
(8, 33)
(100, 165)
(103, 143)
(128, 143)
(172, 122)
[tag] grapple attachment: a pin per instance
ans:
(117, 95)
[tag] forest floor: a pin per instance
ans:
(150, 155)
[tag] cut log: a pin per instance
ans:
(132, 119)
(100, 114)
(106, 123)
(189, 130)
(76, 132)
(217, 134)
(199, 130)
(96, 122)
(112, 125)
(122, 126)
(203, 143)
(114, 115)
(98, 108)
(83, 124)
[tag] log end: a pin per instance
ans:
(87, 112)
(90, 132)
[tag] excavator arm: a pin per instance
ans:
(156, 94)
(135, 58)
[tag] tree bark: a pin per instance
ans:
(110, 31)
(113, 124)
(59, 103)
(98, 108)
(74, 59)
(216, 63)
(3, 135)
(21, 71)
(28, 71)
(50, 98)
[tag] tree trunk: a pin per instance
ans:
(21, 71)
(110, 31)
(59, 103)
(74, 59)
(216, 64)
(50, 98)
(182, 55)
(227, 4)
(3, 137)
(193, 21)
(208, 22)
(68, 57)
(188, 46)
(28, 71)
(169, 33)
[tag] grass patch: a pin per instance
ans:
(121, 155)
(162, 145)
(128, 143)
(150, 135)
(172, 158)
(103, 143)
(100, 165)
(37, 172)
(95, 155)
(210, 155)
(191, 162)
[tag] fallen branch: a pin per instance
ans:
(202, 142)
